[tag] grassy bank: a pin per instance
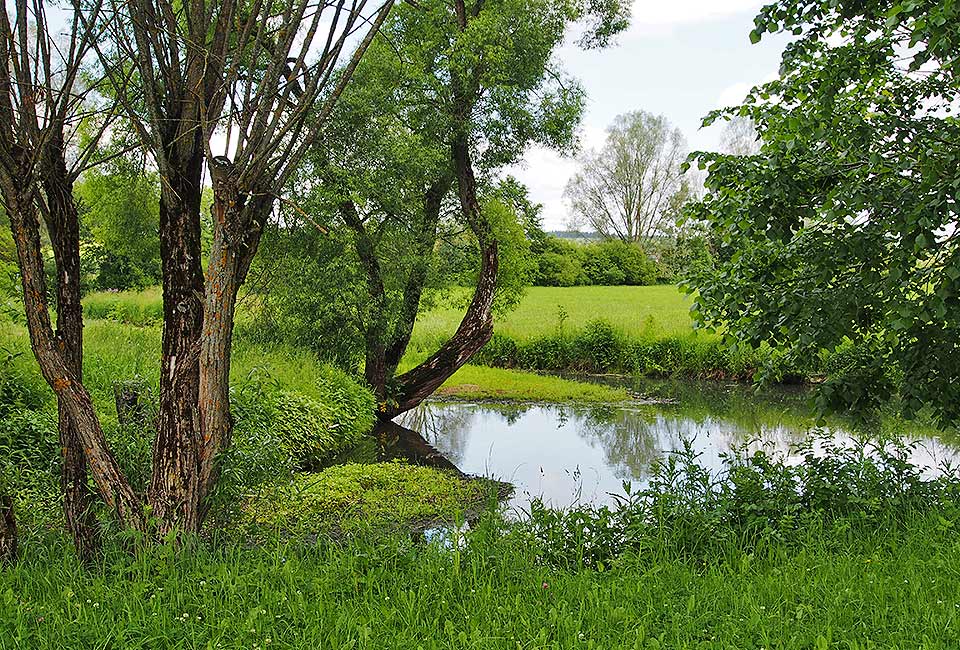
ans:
(846, 552)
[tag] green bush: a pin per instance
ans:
(564, 263)
(308, 430)
(601, 348)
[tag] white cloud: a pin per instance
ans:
(656, 13)
(734, 94)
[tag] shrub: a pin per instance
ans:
(308, 431)
(686, 511)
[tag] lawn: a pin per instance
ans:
(660, 309)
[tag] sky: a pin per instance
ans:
(679, 58)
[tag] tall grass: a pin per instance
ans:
(817, 572)
(130, 307)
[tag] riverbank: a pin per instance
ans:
(821, 573)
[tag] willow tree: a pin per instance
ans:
(452, 93)
(42, 104)
(224, 84)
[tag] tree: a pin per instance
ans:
(119, 217)
(188, 76)
(445, 102)
(839, 236)
(626, 190)
(41, 102)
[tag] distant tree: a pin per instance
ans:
(629, 189)
(739, 137)
(840, 235)
(120, 215)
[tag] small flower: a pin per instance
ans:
(546, 586)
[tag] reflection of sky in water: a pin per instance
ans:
(569, 454)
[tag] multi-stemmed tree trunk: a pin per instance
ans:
(386, 343)
(189, 67)
(36, 104)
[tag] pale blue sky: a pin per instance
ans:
(680, 58)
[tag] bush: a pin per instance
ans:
(564, 263)
(308, 431)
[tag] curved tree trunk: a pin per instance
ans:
(8, 530)
(476, 327)
(63, 226)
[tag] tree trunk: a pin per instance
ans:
(476, 328)
(71, 394)
(375, 325)
(420, 269)
(238, 224)
(174, 494)
(8, 530)
(63, 226)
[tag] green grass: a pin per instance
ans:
(482, 383)
(131, 307)
(356, 496)
(638, 311)
(879, 590)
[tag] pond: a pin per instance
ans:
(583, 454)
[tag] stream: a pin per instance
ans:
(574, 454)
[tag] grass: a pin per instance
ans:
(636, 311)
(131, 307)
(361, 496)
(878, 591)
(483, 383)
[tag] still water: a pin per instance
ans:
(583, 454)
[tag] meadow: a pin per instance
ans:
(658, 310)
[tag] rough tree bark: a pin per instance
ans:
(63, 227)
(8, 530)
(476, 327)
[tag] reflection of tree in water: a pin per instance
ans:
(632, 439)
(445, 427)
(628, 442)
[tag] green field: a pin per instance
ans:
(648, 311)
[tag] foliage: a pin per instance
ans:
(756, 500)
(368, 497)
(562, 263)
(842, 226)
(120, 215)
(599, 347)
(308, 430)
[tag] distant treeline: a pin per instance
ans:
(564, 262)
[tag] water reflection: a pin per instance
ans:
(569, 454)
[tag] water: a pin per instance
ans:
(583, 454)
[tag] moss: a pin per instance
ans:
(358, 496)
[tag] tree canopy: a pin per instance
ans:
(840, 233)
